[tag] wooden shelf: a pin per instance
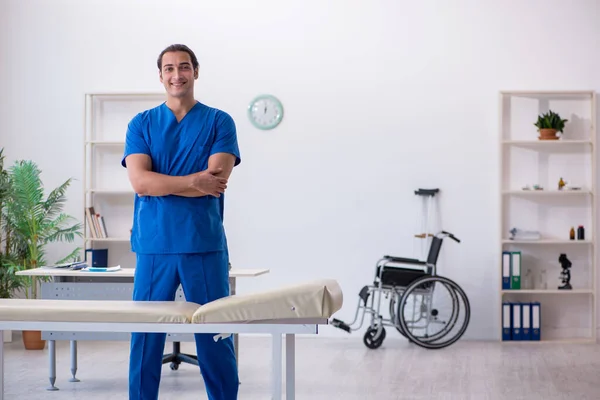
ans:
(526, 159)
(574, 340)
(547, 192)
(549, 291)
(106, 185)
(548, 242)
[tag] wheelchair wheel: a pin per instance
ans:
(373, 339)
(428, 337)
(394, 314)
(423, 305)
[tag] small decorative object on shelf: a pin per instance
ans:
(521, 234)
(572, 234)
(561, 184)
(528, 280)
(535, 187)
(565, 275)
(543, 282)
(580, 233)
(549, 124)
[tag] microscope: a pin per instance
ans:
(565, 275)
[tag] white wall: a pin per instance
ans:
(381, 97)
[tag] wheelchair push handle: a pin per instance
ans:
(451, 236)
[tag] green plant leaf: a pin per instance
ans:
(35, 221)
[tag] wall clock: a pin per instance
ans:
(265, 112)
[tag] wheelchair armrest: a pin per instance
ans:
(404, 260)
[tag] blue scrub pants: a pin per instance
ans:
(204, 278)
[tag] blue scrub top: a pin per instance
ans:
(175, 224)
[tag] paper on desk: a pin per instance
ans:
(107, 269)
(65, 265)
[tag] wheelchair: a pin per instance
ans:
(412, 287)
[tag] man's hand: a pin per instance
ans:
(208, 182)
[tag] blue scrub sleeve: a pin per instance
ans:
(226, 137)
(135, 143)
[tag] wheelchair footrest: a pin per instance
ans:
(340, 324)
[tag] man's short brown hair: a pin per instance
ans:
(177, 47)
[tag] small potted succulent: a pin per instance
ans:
(549, 124)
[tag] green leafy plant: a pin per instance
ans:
(550, 120)
(35, 221)
(9, 281)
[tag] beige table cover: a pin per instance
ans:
(315, 299)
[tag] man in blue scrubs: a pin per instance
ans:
(179, 156)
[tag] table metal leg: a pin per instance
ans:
(290, 366)
(52, 352)
(276, 367)
(74, 361)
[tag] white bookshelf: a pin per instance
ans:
(105, 183)
(566, 315)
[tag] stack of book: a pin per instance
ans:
(96, 223)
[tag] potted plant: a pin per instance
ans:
(9, 281)
(549, 124)
(33, 222)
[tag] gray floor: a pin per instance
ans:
(333, 369)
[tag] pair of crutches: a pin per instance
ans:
(426, 221)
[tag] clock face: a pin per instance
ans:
(265, 112)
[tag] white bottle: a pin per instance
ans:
(527, 281)
(543, 279)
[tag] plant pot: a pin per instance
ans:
(33, 340)
(548, 134)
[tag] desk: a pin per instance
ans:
(117, 285)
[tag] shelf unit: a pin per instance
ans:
(105, 182)
(566, 315)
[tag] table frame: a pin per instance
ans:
(63, 278)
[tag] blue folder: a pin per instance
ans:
(536, 321)
(517, 322)
(526, 321)
(506, 321)
(506, 268)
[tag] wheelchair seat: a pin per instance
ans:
(400, 277)
(404, 260)
(397, 275)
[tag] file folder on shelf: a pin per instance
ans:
(515, 270)
(526, 321)
(536, 321)
(521, 321)
(506, 260)
(511, 270)
(517, 319)
(506, 321)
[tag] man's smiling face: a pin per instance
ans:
(177, 74)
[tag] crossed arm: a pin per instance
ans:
(145, 182)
